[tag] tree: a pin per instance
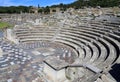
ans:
(38, 6)
(46, 10)
(40, 10)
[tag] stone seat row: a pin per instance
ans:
(112, 51)
(96, 44)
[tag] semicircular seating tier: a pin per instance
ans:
(96, 43)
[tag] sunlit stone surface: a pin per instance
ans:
(75, 46)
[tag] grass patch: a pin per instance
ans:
(4, 25)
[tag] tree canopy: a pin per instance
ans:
(76, 4)
(14, 9)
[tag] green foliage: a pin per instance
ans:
(4, 25)
(46, 10)
(40, 10)
(14, 9)
(94, 3)
(77, 4)
(91, 3)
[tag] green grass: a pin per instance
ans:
(4, 25)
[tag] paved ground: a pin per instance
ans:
(24, 63)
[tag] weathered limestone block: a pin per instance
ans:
(54, 75)
(9, 34)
